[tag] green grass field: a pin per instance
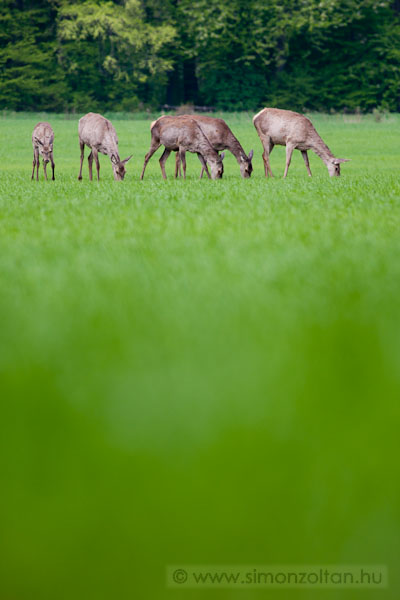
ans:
(198, 372)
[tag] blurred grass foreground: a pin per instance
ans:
(198, 372)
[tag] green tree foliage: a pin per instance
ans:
(30, 77)
(322, 54)
(343, 57)
(111, 55)
(121, 54)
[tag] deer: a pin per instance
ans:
(98, 133)
(293, 130)
(182, 134)
(221, 138)
(42, 142)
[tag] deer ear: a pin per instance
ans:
(251, 154)
(222, 156)
(113, 159)
(126, 159)
(337, 161)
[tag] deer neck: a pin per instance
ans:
(114, 152)
(111, 145)
(211, 155)
(236, 150)
(208, 151)
(321, 149)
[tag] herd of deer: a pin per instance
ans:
(204, 136)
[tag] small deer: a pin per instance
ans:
(293, 130)
(99, 134)
(221, 138)
(42, 142)
(182, 134)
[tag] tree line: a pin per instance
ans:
(126, 55)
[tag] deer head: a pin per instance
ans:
(217, 167)
(119, 166)
(334, 166)
(45, 149)
(246, 167)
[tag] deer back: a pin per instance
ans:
(181, 131)
(217, 132)
(98, 132)
(44, 134)
(286, 125)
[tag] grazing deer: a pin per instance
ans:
(293, 130)
(99, 135)
(42, 142)
(221, 137)
(182, 134)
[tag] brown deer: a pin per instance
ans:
(293, 130)
(182, 134)
(221, 137)
(42, 142)
(98, 133)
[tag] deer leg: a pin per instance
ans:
(37, 165)
(44, 169)
(289, 152)
(265, 145)
(177, 165)
(34, 164)
(265, 159)
(163, 160)
(203, 166)
(82, 146)
(96, 159)
(52, 166)
(153, 148)
(201, 159)
(271, 147)
(182, 154)
(305, 156)
(178, 169)
(90, 161)
(268, 147)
